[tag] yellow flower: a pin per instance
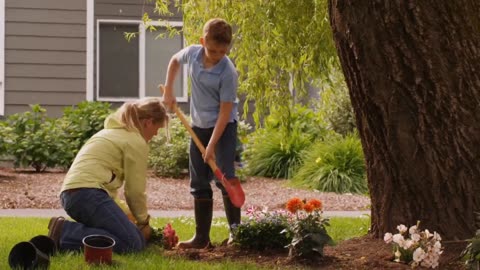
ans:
(318, 160)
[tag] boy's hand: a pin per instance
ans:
(169, 98)
(209, 153)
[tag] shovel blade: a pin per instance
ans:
(233, 188)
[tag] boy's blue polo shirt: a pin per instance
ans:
(209, 86)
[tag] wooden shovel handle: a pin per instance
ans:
(185, 122)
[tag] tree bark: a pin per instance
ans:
(412, 68)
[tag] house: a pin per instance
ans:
(57, 53)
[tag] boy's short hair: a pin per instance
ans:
(218, 30)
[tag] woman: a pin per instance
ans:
(114, 157)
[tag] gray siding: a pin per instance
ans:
(45, 54)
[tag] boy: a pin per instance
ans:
(213, 109)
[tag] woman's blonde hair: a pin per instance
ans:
(131, 113)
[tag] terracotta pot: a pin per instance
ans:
(98, 249)
(25, 255)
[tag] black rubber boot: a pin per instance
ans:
(203, 222)
(233, 216)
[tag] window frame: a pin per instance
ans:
(141, 53)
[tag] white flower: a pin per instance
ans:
(407, 244)
(398, 238)
(413, 229)
(418, 255)
(415, 237)
(427, 234)
(437, 236)
(388, 238)
(402, 228)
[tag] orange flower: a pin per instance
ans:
(294, 204)
(317, 204)
(308, 207)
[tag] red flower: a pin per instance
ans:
(170, 239)
(294, 204)
(317, 204)
(308, 207)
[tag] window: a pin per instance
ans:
(130, 70)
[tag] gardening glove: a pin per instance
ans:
(145, 228)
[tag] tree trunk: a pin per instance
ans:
(412, 68)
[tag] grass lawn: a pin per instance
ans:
(16, 229)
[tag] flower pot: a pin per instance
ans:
(25, 255)
(45, 244)
(98, 249)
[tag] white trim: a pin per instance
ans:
(90, 49)
(141, 60)
(141, 40)
(2, 57)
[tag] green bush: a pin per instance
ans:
(5, 138)
(169, 156)
(263, 230)
(335, 108)
(34, 139)
(335, 165)
(275, 154)
(78, 124)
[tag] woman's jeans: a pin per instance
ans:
(97, 213)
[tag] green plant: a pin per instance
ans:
(262, 230)
(472, 251)
(274, 154)
(308, 229)
(169, 150)
(335, 108)
(78, 124)
(334, 165)
(34, 140)
(5, 138)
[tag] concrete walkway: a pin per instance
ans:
(154, 213)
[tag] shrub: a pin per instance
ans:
(335, 165)
(275, 154)
(335, 107)
(169, 156)
(263, 230)
(5, 138)
(471, 253)
(34, 140)
(78, 124)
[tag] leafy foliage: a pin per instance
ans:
(169, 156)
(335, 108)
(334, 165)
(275, 154)
(263, 230)
(472, 252)
(78, 124)
(5, 138)
(33, 139)
(297, 31)
(276, 150)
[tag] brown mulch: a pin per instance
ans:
(27, 189)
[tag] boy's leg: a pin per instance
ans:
(200, 175)
(225, 153)
(96, 213)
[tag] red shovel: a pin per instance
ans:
(232, 185)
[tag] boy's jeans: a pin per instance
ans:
(97, 213)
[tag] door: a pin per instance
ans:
(2, 57)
